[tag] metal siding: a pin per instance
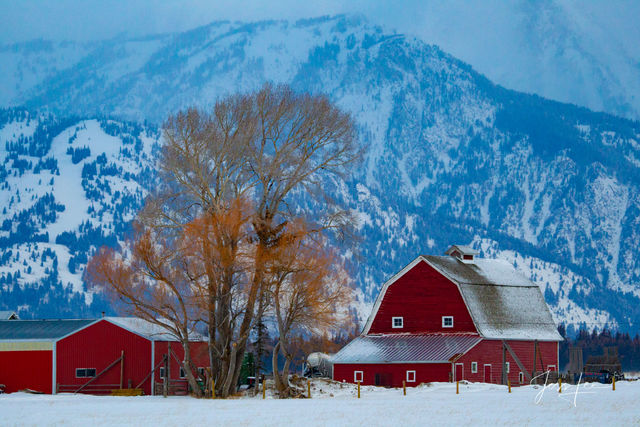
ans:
(199, 356)
(435, 372)
(490, 351)
(99, 345)
(26, 369)
(422, 296)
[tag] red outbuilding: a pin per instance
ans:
(450, 318)
(92, 356)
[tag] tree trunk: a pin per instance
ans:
(186, 365)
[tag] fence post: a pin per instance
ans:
(613, 383)
(404, 388)
(509, 385)
(213, 388)
(457, 387)
(559, 385)
(358, 389)
(309, 389)
(264, 391)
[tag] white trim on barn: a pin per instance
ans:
(54, 374)
(412, 376)
(400, 325)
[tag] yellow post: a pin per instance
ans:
(264, 390)
(358, 389)
(404, 388)
(559, 385)
(309, 389)
(509, 384)
(457, 387)
(213, 388)
(613, 383)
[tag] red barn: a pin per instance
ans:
(453, 317)
(90, 356)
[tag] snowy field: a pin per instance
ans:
(435, 404)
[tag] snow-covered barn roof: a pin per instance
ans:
(502, 302)
(405, 348)
(8, 315)
(46, 330)
(149, 330)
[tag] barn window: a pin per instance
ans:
(474, 367)
(85, 372)
(447, 321)
(357, 376)
(182, 373)
(201, 373)
(521, 377)
(397, 322)
(507, 366)
(411, 376)
(162, 375)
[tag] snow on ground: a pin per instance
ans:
(433, 404)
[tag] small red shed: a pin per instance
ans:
(89, 356)
(453, 317)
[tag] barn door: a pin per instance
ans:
(383, 379)
(487, 373)
(459, 372)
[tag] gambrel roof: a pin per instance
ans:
(502, 302)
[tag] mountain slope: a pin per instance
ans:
(450, 157)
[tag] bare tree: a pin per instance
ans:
(270, 147)
(155, 283)
(308, 288)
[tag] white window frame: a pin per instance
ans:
(474, 367)
(443, 321)
(162, 372)
(357, 374)
(95, 371)
(507, 366)
(201, 372)
(411, 376)
(461, 370)
(183, 374)
(393, 322)
(521, 377)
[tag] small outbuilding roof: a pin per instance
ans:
(40, 329)
(406, 348)
(8, 315)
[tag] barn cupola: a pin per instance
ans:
(463, 253)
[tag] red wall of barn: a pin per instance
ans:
(422, 296)
(199, 355)
(96, 347)
(425, 372)
(490, 352)
(26, 369)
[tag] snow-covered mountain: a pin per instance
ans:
(582, 52)
(451, 157)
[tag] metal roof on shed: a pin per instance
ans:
(40, 329)
(405, 348)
